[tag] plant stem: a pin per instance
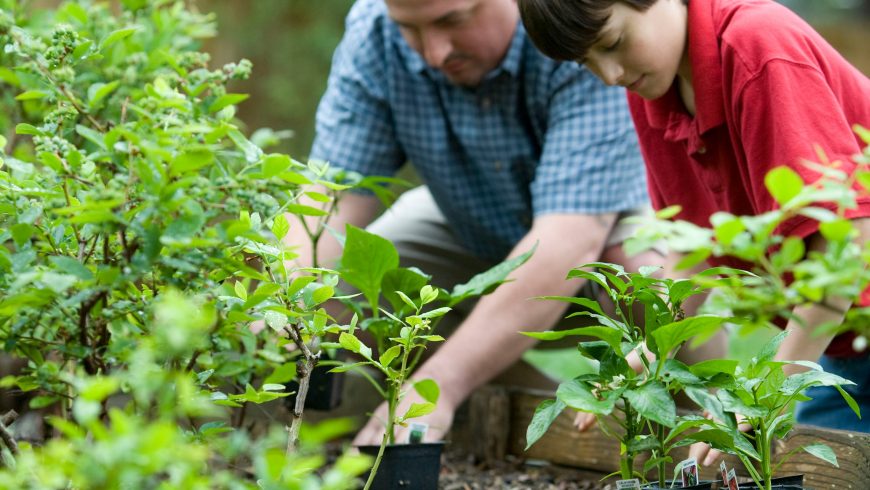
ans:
(378, 458)
(304, 367)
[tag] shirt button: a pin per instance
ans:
(498, 165)
(702, 150)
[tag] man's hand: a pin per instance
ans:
(439, 422)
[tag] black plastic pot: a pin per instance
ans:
(704, 485)
(324, 389)
(794, 482)
(411, 466)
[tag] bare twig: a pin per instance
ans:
(7, 439)
(8, 417)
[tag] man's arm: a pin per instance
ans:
(488, 341)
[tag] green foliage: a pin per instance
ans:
(633, 404)
(761, 293)
(758, 394)
(371, 264)
(141, 234)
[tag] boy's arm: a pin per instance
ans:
(802, 342)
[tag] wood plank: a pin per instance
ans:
(592, 450)
(852, 450)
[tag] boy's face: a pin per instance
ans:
(642, 51)
(464, 39)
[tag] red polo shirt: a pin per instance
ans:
(768, 89)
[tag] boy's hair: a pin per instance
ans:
(566, 29)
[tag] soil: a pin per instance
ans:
(459, 472)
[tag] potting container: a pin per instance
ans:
(411, 466)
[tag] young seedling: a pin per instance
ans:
(634, 405)
(759, 395)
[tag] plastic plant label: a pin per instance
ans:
(689, 472)
(418, 430)
(724, 470)
(732, 480)
(633, 484)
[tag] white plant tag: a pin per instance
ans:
(732, 480)
(633, 484)
(689, 472)
(417, 432)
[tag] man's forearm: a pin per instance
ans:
(489, 340)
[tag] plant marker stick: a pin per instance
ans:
(633, 484)
(418, 430)
(724, 470)
(732, 480)
(689, 472)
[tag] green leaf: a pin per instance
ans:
(578, 395)
(277, 321)
(303, 210)
(366, 259)
(783, 184)
(390, 355)
(353, 344)
(607, 334)
(653, 401)
(226, 100)
(546, 413)
(280, 226)
(321, 294)
(671, 335)
(708, 369)
(241, 290)
(428, 389)
(275, 163)
(191, 160)
(769, 350)
(434, 313)
(24, 128)
(51, 160)
(282, 374)
(823, 452)
(99, 91)
(418, 410)
(587, 303)
(31, 95)
(92, 136)
(72, 266)
(487, 281)
(406, 280)
(836, 231)
(116, 36)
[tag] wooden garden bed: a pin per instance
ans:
(496, 426)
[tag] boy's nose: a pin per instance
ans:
(612, 73)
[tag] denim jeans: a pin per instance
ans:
(827, 407)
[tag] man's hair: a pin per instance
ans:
(566, 29)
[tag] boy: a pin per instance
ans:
(721, 92)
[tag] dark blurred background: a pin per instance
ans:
(290, 43)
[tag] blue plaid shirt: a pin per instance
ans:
(535, 137)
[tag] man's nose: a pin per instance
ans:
(435, 47)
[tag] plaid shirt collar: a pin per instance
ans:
(415, 63)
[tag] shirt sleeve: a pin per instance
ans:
(590, 161)
(784, 114)
(354, 123)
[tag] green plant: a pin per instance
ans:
(633, 404)
(775, 273)
(758, 395)
(371, 264)
(132, 209)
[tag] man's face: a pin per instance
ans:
(464, 39)
(642, 51)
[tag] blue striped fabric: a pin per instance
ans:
(535, 137)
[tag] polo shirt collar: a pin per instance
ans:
(704, 57)
(510, 64)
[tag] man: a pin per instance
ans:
(515, 149)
